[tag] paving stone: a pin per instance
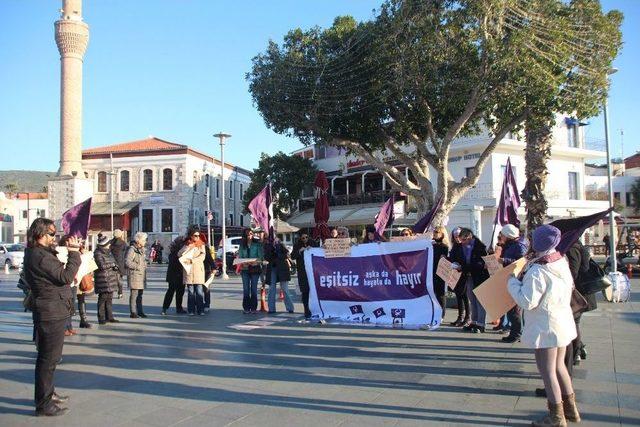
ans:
(197, 371)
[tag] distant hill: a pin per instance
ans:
(31, 181)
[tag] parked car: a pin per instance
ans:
(232, 245)
(12, 254)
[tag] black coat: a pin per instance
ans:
(50, 279)
(106, 276)
(439, 250)
(578, 257)
(119, 250)
(174, 269)
(298, 255)
(476, 268)
(278, 259)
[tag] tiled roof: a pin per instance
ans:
(32, 196)
(149, 144)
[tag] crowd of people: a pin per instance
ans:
(543, 292)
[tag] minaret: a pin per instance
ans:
(71, 186)
(72, 37)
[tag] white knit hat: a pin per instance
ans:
(510, 231)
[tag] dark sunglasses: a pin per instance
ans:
(52, 234)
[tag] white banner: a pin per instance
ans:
(387, 283)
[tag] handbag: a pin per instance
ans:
(593, 280)
(578, 303)
(86, 284)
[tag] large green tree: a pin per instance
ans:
(588, 42)
(406, 84)
(288, 176)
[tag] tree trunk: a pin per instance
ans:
(537, 154)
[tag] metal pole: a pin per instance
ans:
(612, 236)
(209, 212)
(111, 175)
(225, 276)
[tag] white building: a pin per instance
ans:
(160, 187)
(357, 190)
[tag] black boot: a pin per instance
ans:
(82, 309)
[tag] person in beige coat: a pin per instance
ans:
(193, 254)
(136, 274)
(544, 293)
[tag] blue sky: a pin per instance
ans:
(175, 69)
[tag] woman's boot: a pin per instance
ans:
(570, 409)
(82, 309)
(555, 418)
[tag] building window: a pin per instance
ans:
(102, 182)
(231, 189)
(628, 199)
(241, 194)
(124, 181)
(167, 179)
(195, 181)
(25, 214)
(241, 220)
(321, 152)
(573, 186)
(230, 219)
(147, 220)
(573, 140)
(42, 213)
(468, 171)
(616, 195)
(167, 220)
(217, 188)
(147, 180)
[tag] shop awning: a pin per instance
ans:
(119, 208)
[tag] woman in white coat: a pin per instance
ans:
(544, 293)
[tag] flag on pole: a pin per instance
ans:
(385, 217)
(261, 208)
(507, 212)
(423, 225)
(572, 228)
(75, 221)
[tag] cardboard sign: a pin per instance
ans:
(492, 264)
(188, 255)
(447, 273)
(337, 248)
(493, 293)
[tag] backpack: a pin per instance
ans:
(592, 280)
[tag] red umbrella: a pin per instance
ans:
(321, 211)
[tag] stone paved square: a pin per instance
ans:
(205, 371)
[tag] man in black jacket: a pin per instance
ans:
(303, 283)
(49, 279)
(119, 250)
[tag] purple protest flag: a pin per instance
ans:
(507, 212)
(75, 221)
(572, 228)
(261, 208)
(422, 226)
(385, 217)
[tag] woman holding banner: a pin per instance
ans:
(250, 271)
(544, 293)
(193, 254)
(462, 301)
(468, 255)
(440, 249)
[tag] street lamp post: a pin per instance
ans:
(222, 137)
(208, 195)
(612, 236)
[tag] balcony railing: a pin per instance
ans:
(379, 196)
